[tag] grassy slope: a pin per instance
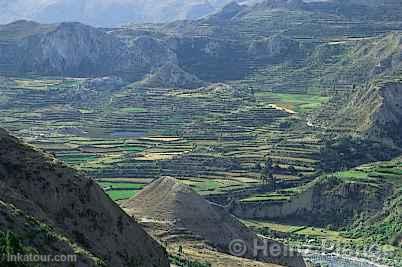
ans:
(384, 227)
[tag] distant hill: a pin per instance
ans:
(180, 209)
(171, 76)
(52, 209)
(231, 44)
(316, 43)
(108, 13)
(103, 12)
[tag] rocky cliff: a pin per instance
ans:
(374, 111)
(274, 48)
(379, 110)
(79, 217)
(329, 201)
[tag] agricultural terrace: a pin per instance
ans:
(215, 139)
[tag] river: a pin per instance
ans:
(331, 260)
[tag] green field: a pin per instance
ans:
(297, 230)
(296, 102)
(120, 189)
(210, 139)
(376, 173)
(266, 197)
(118, 195)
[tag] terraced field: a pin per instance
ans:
(120, 189)
(215, 138)
(390, 172)
(296, 230)
(378, 229)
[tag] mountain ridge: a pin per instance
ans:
(108, 13)
(75, 49)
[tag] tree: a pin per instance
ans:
(292, 169)
(252, 93)
(267, 175)
(258, 166)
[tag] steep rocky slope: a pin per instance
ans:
(379, 110)
(37, 188)
(74, 49)
(44, 240)
(373, 111)
(274, 48)
(368, 59)
(180, 209)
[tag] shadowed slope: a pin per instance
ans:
(73, 206)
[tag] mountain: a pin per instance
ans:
(229, 45)
(53, 209)
(108, 13)
(103, 12)
(75, 49)
(180, 209)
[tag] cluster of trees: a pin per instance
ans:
(267, 174)
(347, 152)
(267, 171)
(10, 244)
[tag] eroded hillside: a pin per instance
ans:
(38, 189)
(180, 211)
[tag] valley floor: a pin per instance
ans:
(215, 139)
